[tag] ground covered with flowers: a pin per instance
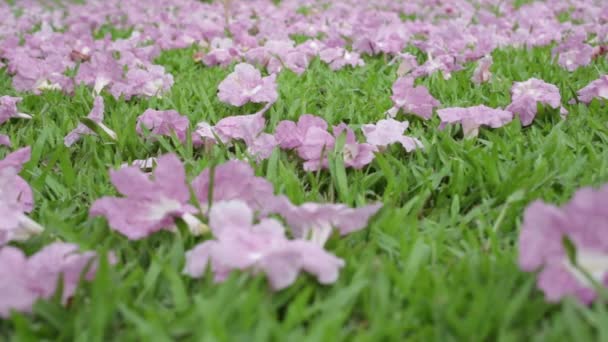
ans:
(329, 170)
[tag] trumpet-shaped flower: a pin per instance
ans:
(240, 244)
(246, 84)
(152, 201)
(565, 272)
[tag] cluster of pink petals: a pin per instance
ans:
(584, 223)
(597, 89)
(525, 97)
(245, 85)
(471, 118)
(412, 99)
(313, 143)
(338, 58)
(163, 123)
(24, 280)
(96, 116)
(573, 52)
(232, 197)
(240, 244)
(5, 140)
(16, 200)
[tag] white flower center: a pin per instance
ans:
(593, 262)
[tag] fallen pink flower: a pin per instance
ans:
(15, 225)
(246, 84)
(163, 123)
(482, 73)
(290, 135)
(338, 58)
(235, 180)
(96, 116)
(316, 222)
(411, 99)
(263, 247)
(584, 222)
(25, 280)
(526, 95)
(597, 89)
(387, 132)
(8, 109)
(471, 118)
(5, 140)
(152, 201)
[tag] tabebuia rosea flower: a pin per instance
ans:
(235, 180)
(471, 118)
(290, 135)
(482, 72)
(8, 109)
(412, 99)
(525, 97)
(574, 52)
(16, 200)
(248, 128)
(387, 132)
(151, 202)
(316, 221)
(597, 89)
(24, 280)
(568, 245)
(338, 58)
(241, 244)
(163, 123)
(245, 85)
(5, 140)
(96, 117)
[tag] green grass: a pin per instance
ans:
(437, 263)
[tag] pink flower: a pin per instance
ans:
(596, 89)
(315, 222)
(573, 52)
(411, 99)
(246, 84)
(5, 140)
(8, 109)
(584, 222)
(471, 118)
(22, 192)
(526, 95)
(338, 58)
(164, 123)
(263, 247)
(24, 280)
(222, 53)
(15, 202)
(291, 135)
(387, 132)
(315, 147)
(151, 202)
(240, 127)
(96, 116)
(482, 73)
(235, 180)
(355, 155)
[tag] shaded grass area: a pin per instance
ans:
(438, 262)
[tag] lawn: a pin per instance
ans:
(438, 262)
